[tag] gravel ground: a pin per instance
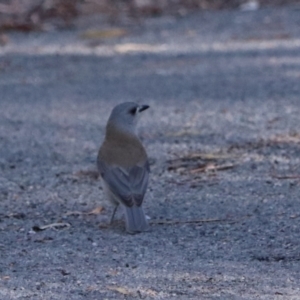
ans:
(222, 135)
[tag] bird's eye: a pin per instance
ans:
(133, 110)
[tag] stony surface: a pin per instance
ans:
(224, 94)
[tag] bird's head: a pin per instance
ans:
(124, 116)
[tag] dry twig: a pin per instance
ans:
(212, 167)
(174, 222)
(276, 176)
(53, 225)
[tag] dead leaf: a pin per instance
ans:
(104, 33)
(96, 211)
(279, 293)
(64, 272)
(74, 213)
(121, 290)
(93, 174)
(92, 288)
(151, 293)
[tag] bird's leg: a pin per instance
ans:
(113, 214)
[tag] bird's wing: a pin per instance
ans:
(129, 185)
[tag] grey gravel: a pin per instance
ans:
(223, 82)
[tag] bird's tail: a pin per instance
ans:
(135, 219)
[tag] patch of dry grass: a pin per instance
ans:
(27, 15)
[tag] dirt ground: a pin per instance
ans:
(222, 134)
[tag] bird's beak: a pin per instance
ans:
(143, 107)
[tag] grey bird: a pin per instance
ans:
(123, 165)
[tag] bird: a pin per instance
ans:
(123, 165)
